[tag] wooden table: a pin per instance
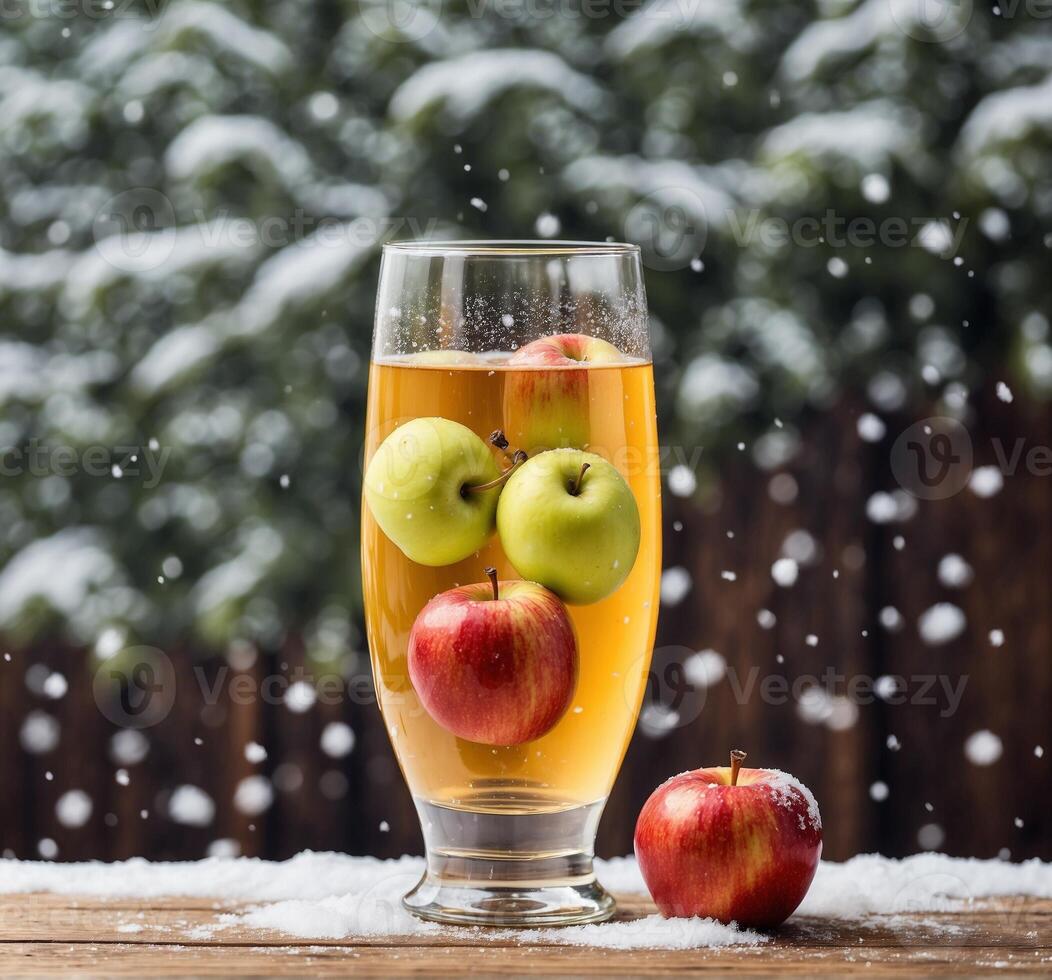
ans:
(50, 934)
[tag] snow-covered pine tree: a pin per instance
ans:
(192, 197)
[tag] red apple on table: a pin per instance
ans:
(546, 404)
(737, 845)
(494, 662)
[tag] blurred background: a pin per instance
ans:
(845, 210)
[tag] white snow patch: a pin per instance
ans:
(983, 748)
(660, 21)
(212, 142)
(465, 85)
(986, 481)
(73, 808)
(705, 668)
(253, 795)
(337, 739)
(785, 572)
(325, 895)
(300, 697)
(954, 572)
(63, 571)
(941, 623)
(40, 733)
(675, 584)
(191, 806)
(871, 428)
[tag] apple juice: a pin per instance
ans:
(605, 408)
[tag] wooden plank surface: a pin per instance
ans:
(49, 934)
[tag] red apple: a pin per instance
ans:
(546, 403)
(494, 663)
(737, 845)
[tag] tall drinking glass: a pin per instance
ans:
(510, 829)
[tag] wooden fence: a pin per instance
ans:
(917, 750)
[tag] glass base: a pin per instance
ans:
(516, 867)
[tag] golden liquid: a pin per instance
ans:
(576, 762)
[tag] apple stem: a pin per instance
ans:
(498, 439)
(491, 574)
(516, 461)
(575, 487)
(737, 758)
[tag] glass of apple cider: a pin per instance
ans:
(508, 738)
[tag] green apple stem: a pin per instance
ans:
(498, 439)
(517, 460)
(737, 758)
(575, 487)
(491, 574)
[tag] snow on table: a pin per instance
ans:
(330, 910)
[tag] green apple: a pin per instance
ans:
(567, 519)
(432, 486)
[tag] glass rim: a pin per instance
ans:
(524, 247)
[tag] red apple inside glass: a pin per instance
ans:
(495, 662)
(547, 406)
(737, 845)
